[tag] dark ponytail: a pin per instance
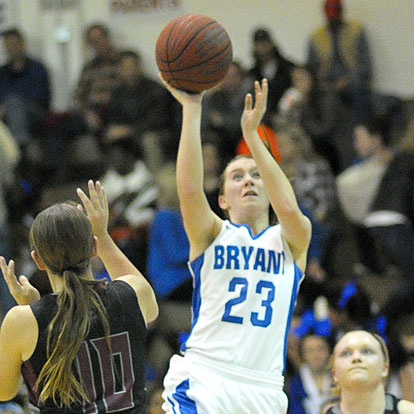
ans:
(65, 334)
(62, 238)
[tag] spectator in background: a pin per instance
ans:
(139, 107)
(328, 124)
(390, 219)
(213, 165)
(290, 104)
(401, 347)
(24, 89)
(84, 122)
(339, 58)
(350, 308)
(9, 157)
(311, 386)
(224, 106)
(168, 273)
(98, 78)
(131, 191)
(168, 244)
(270, 64)
(358, 185)
(312, 181)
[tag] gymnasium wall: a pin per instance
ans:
(54, 33)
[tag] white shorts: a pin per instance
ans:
(195, 386)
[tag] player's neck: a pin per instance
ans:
(363, 400)
(257, 225)
(56, 281)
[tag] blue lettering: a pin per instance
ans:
(272, 264)
(232, 256)
(247, 255)
(218, 257)
(260, 260)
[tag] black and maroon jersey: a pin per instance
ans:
(114, 382)
(391, 403)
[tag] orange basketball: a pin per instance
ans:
(193, 53)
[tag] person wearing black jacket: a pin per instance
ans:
(391, 219)
(269, 63)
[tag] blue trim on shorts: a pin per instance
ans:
(185, 404)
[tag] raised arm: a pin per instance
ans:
(296, 227)
(200, 223)
(116, 263)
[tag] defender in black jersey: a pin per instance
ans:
(80, 349)
(360, 368)
(391, 406)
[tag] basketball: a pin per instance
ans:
(193, 53)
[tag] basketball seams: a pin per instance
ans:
(167, 48)
(211, 40)
(202, 62)
(188, 42)
(195, 82)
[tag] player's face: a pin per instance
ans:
(358, 359)
(243, 188)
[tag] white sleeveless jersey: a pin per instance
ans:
(245, 290)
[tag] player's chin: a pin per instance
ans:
(253, 205)
(250, 202)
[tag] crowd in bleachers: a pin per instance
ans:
(348, 150)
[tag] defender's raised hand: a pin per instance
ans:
(96, 206)
(20, 288)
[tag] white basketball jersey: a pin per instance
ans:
(245, 290)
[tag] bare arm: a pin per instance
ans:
(200, 223)
(18, 338)
(117, 264)
(296, 227)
